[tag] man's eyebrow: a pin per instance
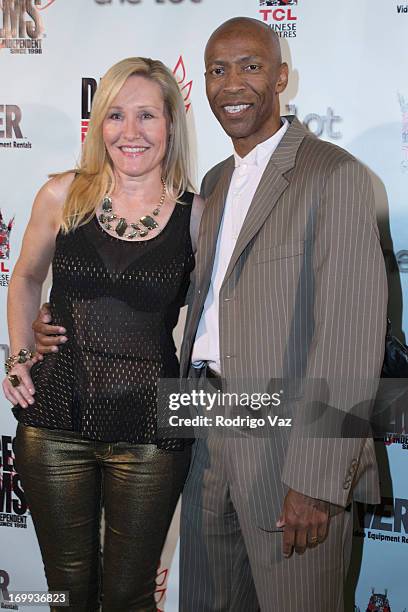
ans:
(245, 58)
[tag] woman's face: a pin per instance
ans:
(135, 129)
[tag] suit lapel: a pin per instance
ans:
(210, 225)
(271, 186)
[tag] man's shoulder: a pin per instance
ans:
(212, 176)
(321, 156)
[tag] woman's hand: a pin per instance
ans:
(23, 393)
(47, 336)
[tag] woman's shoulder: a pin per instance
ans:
(186, 197)
(55, 190)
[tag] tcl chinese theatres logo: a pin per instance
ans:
(89, 87)
(5, 230)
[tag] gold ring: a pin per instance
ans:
(313, 540)
(14, 380)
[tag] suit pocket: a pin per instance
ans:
(279, 251)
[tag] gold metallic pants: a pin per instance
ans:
(67, 482)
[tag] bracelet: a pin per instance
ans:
(22, 356)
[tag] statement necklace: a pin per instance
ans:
(138, 229)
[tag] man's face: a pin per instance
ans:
(243, 79)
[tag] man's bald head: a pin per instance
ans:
(244, 77)
(238, 26)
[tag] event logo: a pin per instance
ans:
(378, 602)
(103, 2)
(402, 260)
(22, 29)
(90, 85)
(387, 522)
(5, 231)
(320, 125)
(404, 132)
(161, 587)
(281, 17)
(11, 136)
(13, 505)
(4, 591)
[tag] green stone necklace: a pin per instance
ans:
(139, 229)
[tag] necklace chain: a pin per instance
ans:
(139, 228)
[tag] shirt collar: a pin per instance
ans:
(263, 149)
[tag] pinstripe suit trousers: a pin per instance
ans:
(229, 564)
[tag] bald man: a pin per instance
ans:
(289, 283)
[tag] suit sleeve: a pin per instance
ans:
(350, 301)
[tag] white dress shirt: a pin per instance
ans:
(244, 182)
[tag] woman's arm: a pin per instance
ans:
(29, 274)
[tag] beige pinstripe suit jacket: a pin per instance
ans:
(304, 296)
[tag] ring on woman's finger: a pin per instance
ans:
(14, 380)
(313, 540)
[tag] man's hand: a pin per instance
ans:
(47, 336)
(305, 522)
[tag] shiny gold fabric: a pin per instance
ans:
(67, 481)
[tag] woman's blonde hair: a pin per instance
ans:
(95, 174)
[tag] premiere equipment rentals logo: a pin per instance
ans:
(4, 591)
(280, 15)
(90, 85)
(5, 231)
(21, 29)
(11, 135)
(386, 523)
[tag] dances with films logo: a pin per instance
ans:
(89, 87)
(280, 15)
(13, 505)
(5, 231)
(21, 26)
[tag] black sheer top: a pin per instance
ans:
(119, 302)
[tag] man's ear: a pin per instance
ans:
(282, 79)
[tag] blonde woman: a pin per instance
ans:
(120, 232)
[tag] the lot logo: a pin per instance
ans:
(21, 25)
(13, 505)
(90, 85)
(11, 135)
(281, 16)
(319, 125)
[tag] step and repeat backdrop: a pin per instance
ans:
(348, 85)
